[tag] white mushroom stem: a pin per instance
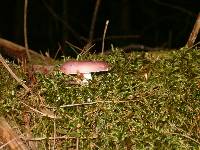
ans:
(86, 77)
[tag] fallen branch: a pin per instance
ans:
(19, 52)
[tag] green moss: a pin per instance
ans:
(142, 102)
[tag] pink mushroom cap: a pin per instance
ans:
(75, 67)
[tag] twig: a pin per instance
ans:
(194, 45)
(12, 73)
(104, 35)
(118, 37)
(194, 33)
(86, 48)
(57, 138)
(186, 136)
(74, 46)
(25, 30)
(26, 117)
(83, 51)
(94, 17)
(91, 103)
(183, 135)
(59, 49)
(54, 131)
(91, 32)
(74, 105)
(43, 114)
(77, 143)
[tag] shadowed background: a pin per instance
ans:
(154, 23)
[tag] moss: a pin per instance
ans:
(142, 102)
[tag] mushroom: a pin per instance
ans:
(84, 68)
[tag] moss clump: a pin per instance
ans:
(142, 102)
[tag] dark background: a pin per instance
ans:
(155, 23)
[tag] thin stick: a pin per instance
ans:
(194, 33)
(91, 34)
(186, 136)
(73, 105)
(92, 103)
(12, 73)
(74, 46)
(25, 30)
(118, 37)
(92, 27)
(43, 114)
(194, 45)
(104, 35)
(86, 49)
(54, 130)
(57, 138)
(77, 143)
(59, 49)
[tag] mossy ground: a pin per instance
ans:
(143, 102)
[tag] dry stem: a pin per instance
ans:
(12, 73)
(91, 33)
(25, 30)
(104, 35)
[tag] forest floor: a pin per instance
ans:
(146, 101)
